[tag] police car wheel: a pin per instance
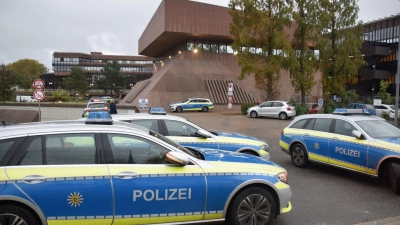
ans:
(394, 177)
(252, 206)
(11, 214)
(204, 109)
(299, 156)
(253, 114)
(282, 116)
(179, 109)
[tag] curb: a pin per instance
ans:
(386, 221)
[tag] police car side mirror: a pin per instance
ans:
(178, 158)
(202, 133)
(357, 134)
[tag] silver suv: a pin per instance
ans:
(279, 109)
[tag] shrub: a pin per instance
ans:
(385, 116)
(246, 106)
(301, 109)
(60, 96)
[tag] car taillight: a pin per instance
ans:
(288, 109)
(105, 109)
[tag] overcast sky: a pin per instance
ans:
(34, 29)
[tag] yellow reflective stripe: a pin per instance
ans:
(213, 216)
(244, 167)
(288, 208)
(97, 171)
(351, 166)
(317, 157)
(80, 221)
(284, 145)
(263, 152)
(156, 220)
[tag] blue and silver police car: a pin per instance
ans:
(101, 171)
(349, 138)
(192, 104)
(189, 134)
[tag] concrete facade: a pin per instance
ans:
(181, 73)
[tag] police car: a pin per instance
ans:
(192, 104)
(101, 171)
(187, 133)
(349, 138)
(94, 106)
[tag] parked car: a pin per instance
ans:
(25, 98)
(189, 134)
(348, 139)
(389, 109)
(192, 104)
(357, 105)
(279, 109)
(94, 106)
(107, 99)
(104, 172)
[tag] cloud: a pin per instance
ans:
(107, 43)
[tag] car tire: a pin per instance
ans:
(179, 109)
(11, 214)
(253, 114)
(283, 116)
(299, 156)
(394, 177)
(204, 109)
(252, 204)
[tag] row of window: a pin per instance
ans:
(77, 60)
(388, 35)
(100, 68)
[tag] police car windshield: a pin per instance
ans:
(171, 142)
(379, 128)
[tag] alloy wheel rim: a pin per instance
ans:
(9, 218)
(254, 210)
(298, 156)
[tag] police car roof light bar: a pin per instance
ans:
(344, 111)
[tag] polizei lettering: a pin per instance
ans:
(163, 195)
(348, 152)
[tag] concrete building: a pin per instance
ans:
(191, 44)
(136, 68)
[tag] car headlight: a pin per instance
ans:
(282, 177)
(265, 147)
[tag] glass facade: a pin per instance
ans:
(135, 70)
(384, 35)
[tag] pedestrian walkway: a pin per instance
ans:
(387, 221)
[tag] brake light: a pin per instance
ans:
(288, 109)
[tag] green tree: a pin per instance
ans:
(114, 79)
(260, 41)
(382, 94)
(26, 71)
(340, 44)
(302, 62)
(7, 81)
(76, 81)
(101, 83)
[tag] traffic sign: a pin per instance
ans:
(230, 87)
(38, 94)
(229, 98)
(38, 84)
(320, 102)
(230, 105)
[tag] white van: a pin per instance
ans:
(25, 98)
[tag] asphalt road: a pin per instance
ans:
(322, 195)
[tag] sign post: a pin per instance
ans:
(38, 94)
(230, 95)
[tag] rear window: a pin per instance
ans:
(97, 105)
(370, 106)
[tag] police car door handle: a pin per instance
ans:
(34, 179)
(127, 175)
